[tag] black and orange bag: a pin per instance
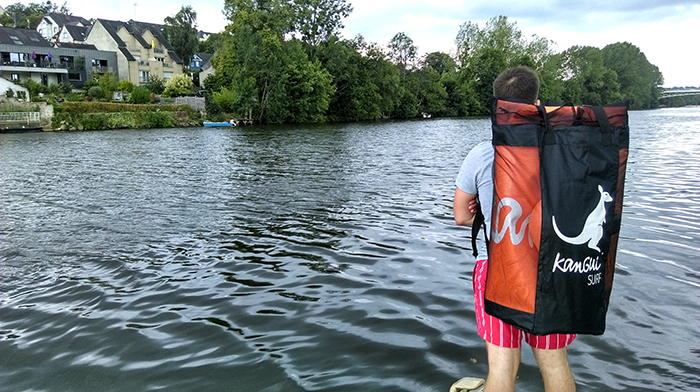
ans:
(558, 186)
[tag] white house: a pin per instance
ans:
(52, 22)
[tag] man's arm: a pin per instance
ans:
(464, 207)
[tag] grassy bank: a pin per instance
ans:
(70, 116)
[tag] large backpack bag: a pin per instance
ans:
(558, 187)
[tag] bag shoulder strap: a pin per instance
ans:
(479, 222)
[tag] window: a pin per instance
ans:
(167, 75)
(143, 76)
(15, 77)
(74, 76)
(16, 40)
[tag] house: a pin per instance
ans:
(198, 60)
(203, 35)
(51, 24)
(72, 34)
(207, 69)
(25, 54)
(141, 49)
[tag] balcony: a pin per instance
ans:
(135, 49)
(38, 66)
(158, 50)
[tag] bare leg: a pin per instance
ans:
(555, 370)
(503, 368)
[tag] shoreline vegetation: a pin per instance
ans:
(71, 116)
(277, 64)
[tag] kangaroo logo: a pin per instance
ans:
(593, 228)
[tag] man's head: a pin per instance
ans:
(519, 82)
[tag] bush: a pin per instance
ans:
(108, 84)
(95, 92)
(125, 86)
(212, 108)
(90, 84)
(140, 95)
(178, 85)
(94, 121)
(75, 97)
(226, 99)
(35, 88)
(155, 84)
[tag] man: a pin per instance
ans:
(503, 341)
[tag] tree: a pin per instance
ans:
(305, 89)
(28, 17)
(640, 81)
(403, 52)
(356, 96)
(441, 62)
(317, 20)
(586, 78)
(212, 43)
(181, 31)
(482, 54)
(431, 93)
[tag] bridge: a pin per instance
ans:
(679, 92)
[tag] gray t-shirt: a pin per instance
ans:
(476, 177)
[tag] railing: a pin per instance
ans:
(134, 49)
(196, 103)
(20, 117)
(142, 62)
(38, 64)
(158, 50)
(167, 65)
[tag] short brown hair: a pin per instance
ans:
(519, 82)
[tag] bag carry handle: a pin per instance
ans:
(548, 137)
(604, 124)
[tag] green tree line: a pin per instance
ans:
(284, 62)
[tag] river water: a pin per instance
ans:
(310, 258)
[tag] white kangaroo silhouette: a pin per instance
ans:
(593, 228)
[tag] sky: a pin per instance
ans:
(666, 31)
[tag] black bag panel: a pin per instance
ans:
(580, 173)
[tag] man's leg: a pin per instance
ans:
(503, 368)
(502, 340)
(555, 370)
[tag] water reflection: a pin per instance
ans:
(282, 258)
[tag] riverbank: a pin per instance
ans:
(78, 116)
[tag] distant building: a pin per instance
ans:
(51, 24)
(141, 49)
(202, 35)
(198, 60)
(72, 34)
(25, 54)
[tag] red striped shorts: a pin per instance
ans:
(501, 334)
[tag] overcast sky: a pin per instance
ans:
(666, 31)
